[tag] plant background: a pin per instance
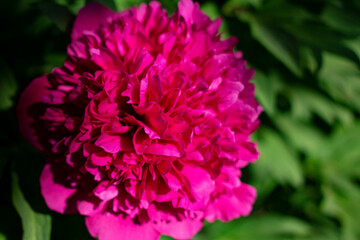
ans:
(306, 56)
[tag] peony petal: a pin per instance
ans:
(107, 226)
(86, 208)
(30, 98)
(172, 181)
(100, 158)
(105, 59)
(213, 28)
(114, 143)
(186, 10)
(154, 118)
(140, 140)
(236, 204)
(106, 192)
(90, 206)
(184, 229)
(174, 222)
(155, 90)
(56, 195)
(165, 149)
(89, 18)
(199, 180)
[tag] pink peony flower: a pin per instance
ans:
(147, 124)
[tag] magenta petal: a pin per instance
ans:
(113, 143)
(163, 149)
(155, 120)
(227, 207)
(90, 206)
(187, 9)
(106, 192)
(184, 229)
(32, 95)
(86, 208)
(55, 195)
(108, 226)
(109, 143)
(174, 222)
(246, 196)
(89, 18)
(100, 158)
(155, 90)
(105, 59)
(200, 181)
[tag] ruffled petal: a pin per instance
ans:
(200, 182)
(57, 196)
(174, 222)
(107, 226)
(89, 18)
(184, 229)
(28, 109)
(186, 10)
(236, 204)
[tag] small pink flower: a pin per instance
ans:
(147, 124)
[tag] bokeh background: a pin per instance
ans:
(306, 54)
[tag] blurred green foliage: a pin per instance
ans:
(35, 225)
(306, 54)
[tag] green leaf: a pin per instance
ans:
(354, 44)
(283, 46)
(73, 5)
(263, 182)
(342, 152)
(59, 14)
(2, 237)
(305, 102)
(341, 79)
(277, 160)
(236, 4)
(340, 167)
(279, 12)
(125, 4)
(108, 3)
(343, 20)
(163, 237)
(36, 226)
(269, 226)
(8, 86)
(318, 35)
(341, 200)
(266, 89)
(311, 58)
(301, 135)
